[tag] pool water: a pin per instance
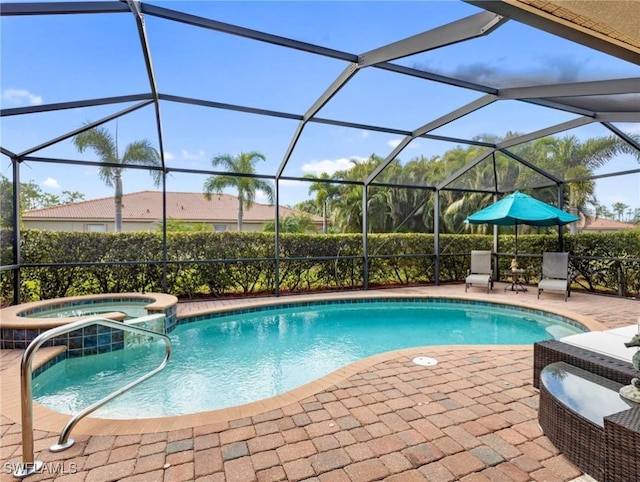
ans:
(241, 358)
(132, 310)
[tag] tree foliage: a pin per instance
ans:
(105, 145)
(181, 226)
(326, 194)
(242, 179)
(294, 223)
(31, 197)
(411, 209)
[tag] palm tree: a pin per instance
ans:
(572, 159)
(106, 147)
(603, 212)
(325, 195)
(243, 164)
(566, 157)
(575, 159)
(416, 213)
(348, 203)
(619, 208)
(348, 216)
(456, 207)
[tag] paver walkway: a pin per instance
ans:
(471, 417)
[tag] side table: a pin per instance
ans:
(517, 276)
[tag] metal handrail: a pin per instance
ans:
(29, 466)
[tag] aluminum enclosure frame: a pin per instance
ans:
(565, 97)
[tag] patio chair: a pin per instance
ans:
(555, 273)
(480, 272)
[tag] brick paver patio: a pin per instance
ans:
(471, 417)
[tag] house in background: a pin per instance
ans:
(602, 225)
(142, 211)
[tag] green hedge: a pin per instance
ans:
(241, 263)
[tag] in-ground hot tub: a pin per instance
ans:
(20, 324)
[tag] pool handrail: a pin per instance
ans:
(29, 465)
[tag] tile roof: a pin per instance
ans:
(603, 223)
(147, 205)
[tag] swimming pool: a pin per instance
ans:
(238, 358)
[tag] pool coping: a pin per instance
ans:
(10, 316)
(573, 318)
(257, 303)
(49, 420)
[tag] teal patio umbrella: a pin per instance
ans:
(519, 208)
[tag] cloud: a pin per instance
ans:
(393, 143)
(18, 97)
(194, 157)
(365, 134)
(480, 72)
(559, 68)
(51, 183)
(261, 197)
(292, 183)
(329, 165)
(168, 156)
(566, 68)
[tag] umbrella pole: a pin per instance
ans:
(516, 243)
(514, 261)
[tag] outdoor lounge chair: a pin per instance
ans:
(555, 273)
(480, 271)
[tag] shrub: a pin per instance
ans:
(57, 264)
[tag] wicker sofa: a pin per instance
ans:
(550, 351)
(608, 453)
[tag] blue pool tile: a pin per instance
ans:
(104, 348)
(89, 351)
(90, 330)
(104, 329)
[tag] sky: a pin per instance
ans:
(50, 59)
